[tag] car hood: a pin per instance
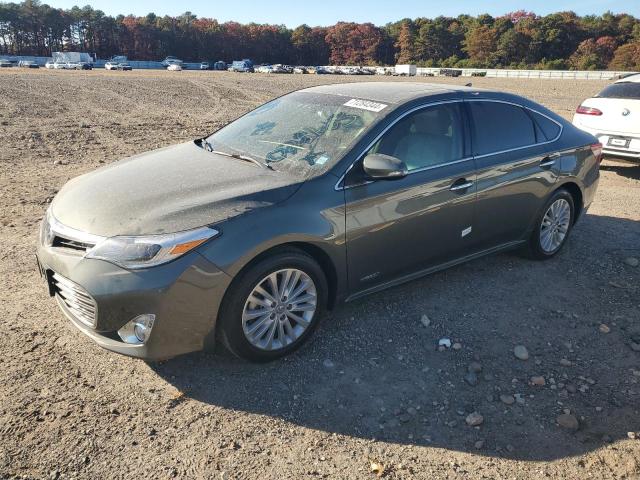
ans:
(168, 190)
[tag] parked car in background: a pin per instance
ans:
(50, 65)
(613, 116)
(174, 67)
(118, 66)
(205, 66)
(278, 68)
(264, 69)
(220, 65)
(243, 66)
(78, 66)
(60, 66)
(171, 61)
(321, 71)
(28, 64)
(323, 195)
(300, 69)
(450, 72)
(5, 64)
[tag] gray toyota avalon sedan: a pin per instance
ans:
(323, 195)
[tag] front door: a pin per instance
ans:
(402, 226)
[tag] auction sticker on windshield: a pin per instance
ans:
(366, 105)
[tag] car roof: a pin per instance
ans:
(631, 78)
(388, 92)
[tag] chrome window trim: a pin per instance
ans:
(338, 187)
(431, 167)
(72, 233)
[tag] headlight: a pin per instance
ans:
(46, 233)
(148, 251)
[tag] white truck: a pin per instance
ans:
(406, 70)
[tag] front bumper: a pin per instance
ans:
(184, 295)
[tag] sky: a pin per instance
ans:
(327, 12)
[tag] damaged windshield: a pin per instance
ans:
(302, 133)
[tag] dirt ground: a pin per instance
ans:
(371, 388)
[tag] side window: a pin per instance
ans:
(550, 129)
(500, 126)
(429, 137)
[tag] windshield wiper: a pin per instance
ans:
(206, 145)
(242, 157)
(209, 148)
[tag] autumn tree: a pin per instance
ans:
(626, 57)
(405, 44)
(513, 47)
(480, 44)
(309, 45)
(518, 39)
(438, 39)
(353, 43)
(593, 54)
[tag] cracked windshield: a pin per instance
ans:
(303, 134)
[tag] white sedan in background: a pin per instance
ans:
(174, 67)
(613, 116)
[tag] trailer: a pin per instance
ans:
(406, 70)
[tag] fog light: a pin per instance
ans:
(137, 331)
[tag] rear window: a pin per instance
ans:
(621, 90)
(547, 127)
(500, 126)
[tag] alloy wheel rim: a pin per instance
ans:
(279, 309)
(555, 225)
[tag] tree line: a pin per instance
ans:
(520, 39)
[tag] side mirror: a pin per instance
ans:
(379, 165)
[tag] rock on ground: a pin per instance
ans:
(521, 352)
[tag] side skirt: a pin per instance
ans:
(437, 268)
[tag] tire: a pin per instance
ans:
(240, 315)
(543, 245)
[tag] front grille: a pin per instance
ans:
(76, 299)
(63, 242)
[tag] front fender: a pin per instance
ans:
(313, 216)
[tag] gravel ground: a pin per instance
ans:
(371, 393)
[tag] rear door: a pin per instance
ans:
(516, 169)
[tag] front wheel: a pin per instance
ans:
(274, 306)
(553, 226)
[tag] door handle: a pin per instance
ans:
(548, 161)
(462, 184)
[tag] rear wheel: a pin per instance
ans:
(553, 226)
(274, 306)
